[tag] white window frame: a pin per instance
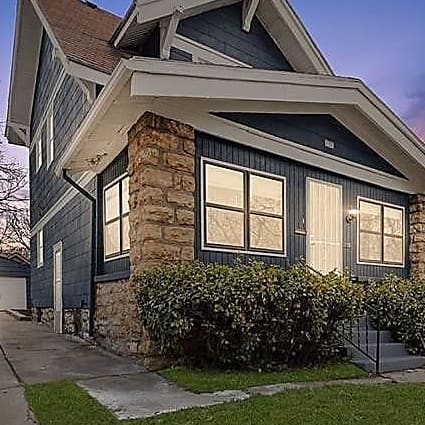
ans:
(40, 248)
(384, 204)
(122, 253)
(38, 153)
(227, 165)
(50, 136)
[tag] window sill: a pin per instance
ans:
(112, 277)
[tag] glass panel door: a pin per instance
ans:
(324, 226)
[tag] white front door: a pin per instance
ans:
(324, 226)
(57, 288)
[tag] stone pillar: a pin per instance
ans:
(417, 236)
(162, 191)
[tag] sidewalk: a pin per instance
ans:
(13, 407)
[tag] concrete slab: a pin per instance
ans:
(143, 395)
(7, 378)
(415, 376)
(14, 409)
(39, 356)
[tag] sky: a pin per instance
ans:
(380, 41)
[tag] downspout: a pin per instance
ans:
(93, 268)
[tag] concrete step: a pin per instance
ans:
(388, 349)
(392, 364)
(369, 336)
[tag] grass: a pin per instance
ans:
(380, 404)
(204, 381)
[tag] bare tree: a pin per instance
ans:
(14, 217)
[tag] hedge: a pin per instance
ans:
(253, 315)
(401, 306)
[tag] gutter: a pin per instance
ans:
(93, 268)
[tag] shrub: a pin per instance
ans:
(401, 307)
(252, 315)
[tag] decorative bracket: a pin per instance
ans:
(168, 31)
(249, 8)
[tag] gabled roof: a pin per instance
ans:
(83, 31)
(277, 16)
(79, 32)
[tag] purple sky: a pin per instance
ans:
(378, 41)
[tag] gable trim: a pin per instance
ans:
(199, 50)
(275, 15)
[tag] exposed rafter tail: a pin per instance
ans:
(249, 8)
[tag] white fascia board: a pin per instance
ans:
(134, 14)
(117, 80)
(295, 24)
(220, 127)
(85, 73)
(154, 78)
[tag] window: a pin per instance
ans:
(38, 153)
(40, 248)
(381, 233)
(243, 210)
(50, 147)
(116, 224)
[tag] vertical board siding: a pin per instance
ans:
(312, 130)
(72, 226)
(296, 176)
(221, 29)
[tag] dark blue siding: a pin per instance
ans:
(296, 175)
(312, 131)
(180, 55)
(10, 268)
(72, 226)
(221, 29)
(48, 73)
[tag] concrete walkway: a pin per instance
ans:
(33, 354)
(37, 355)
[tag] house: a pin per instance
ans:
(212, 130)
(14, 282)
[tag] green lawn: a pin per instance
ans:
(200, 381)
(379, 404)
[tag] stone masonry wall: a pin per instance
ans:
(75, 321)
(162, 186)
(417, 236)
(162, 220)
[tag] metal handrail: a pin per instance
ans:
(367, 310)
(357, 343)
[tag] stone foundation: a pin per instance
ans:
(417, 236)
(75, 321)
(117, 325)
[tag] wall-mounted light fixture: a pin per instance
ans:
(351, 215)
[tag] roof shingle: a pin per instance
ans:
(83, 32)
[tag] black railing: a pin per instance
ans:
(364, 334)
(359, 332)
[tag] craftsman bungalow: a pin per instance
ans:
(198, 129)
